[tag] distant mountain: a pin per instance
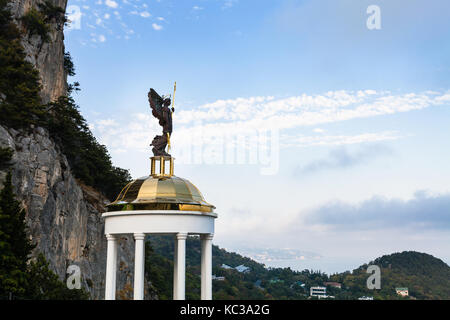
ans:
(268, 255)
(425, 276)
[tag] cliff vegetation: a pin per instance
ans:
(21, 106)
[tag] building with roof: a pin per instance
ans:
(402, 292)
(242, 268)
(160, 203)
(320, 292)
(333, 284)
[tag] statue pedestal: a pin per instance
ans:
(160, 161)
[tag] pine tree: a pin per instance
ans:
(5, 158)
(44, 284)
(20, 103)
(15, 247)
(19, 278)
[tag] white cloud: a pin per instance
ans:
(307, 110)
(135, 135)
(156, 26)
(145, 14)
(229, 3)
(111, 4)
(337, 140)
(247, 115)
(107, 123)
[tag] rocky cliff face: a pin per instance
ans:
(63, 215)
(46, 56)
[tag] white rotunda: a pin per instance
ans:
(160, 204)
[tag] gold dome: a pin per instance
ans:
(160, 193)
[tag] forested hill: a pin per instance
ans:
(425, 276)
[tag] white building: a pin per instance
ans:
(402, 292)
(242, 268)
(320, 292)
(163, 204)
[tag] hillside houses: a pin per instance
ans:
(333, 285)
(241, 268)
(402, 292)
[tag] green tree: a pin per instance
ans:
(20, 103)
(88, 159)
(52, 13)
(20, 278)
(44, 284)
(5, 157)
(69, 66)
(15, 247)
(35, 23)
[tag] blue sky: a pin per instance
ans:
(356, 120)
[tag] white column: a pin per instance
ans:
(111, 267)
(139, 266)
(206, 267)
(180, 266)
(175, 270)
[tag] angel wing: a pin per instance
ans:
(156, 103)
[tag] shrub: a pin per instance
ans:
(34, 22)
(38, 21)
(52, 13)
